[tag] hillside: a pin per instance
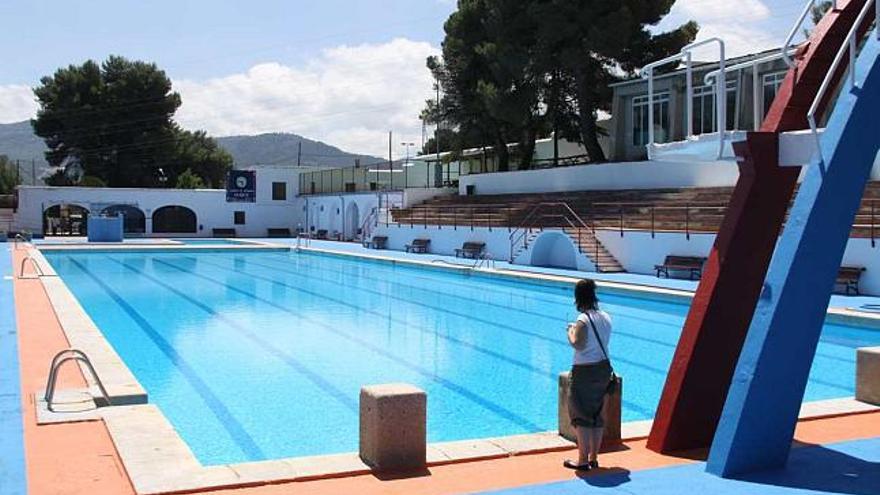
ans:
(18, 142)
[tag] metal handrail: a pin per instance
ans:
(797, 28)
(63, 357)
(686, 53)
(38, 270)
(529, 223)
(850, 46)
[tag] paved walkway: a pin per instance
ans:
(12, 474)
(847, 467)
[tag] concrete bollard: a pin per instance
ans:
(611, 411)
(393, 429)
(868, 375)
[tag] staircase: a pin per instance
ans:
(559, 216)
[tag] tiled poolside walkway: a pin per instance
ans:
(80, 458)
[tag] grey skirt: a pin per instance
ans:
(588, 386)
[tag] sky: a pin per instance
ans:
(343, 72)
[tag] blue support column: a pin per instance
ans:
(759, 417)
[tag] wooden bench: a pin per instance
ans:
(321, 234)
(418, 246)
(223, 232)
(377, 242)
(277, 232)
(691, 264)
(848, 277)
(470, 250)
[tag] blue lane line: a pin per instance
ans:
(467, 316)
(330, 389)
(13, 480)
(464, 392)
(526, 366)
(430, 292)
(236, 431)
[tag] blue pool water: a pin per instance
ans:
(262, 355)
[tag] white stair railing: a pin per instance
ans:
(850, 46)
(686, 54)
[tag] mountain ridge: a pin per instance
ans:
(18, 142)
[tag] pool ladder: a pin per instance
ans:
(38, 271)
(63, 357)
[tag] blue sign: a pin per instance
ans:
(241, 186)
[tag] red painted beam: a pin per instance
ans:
(721, 312)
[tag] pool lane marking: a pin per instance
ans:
(236, 431)
(470, 317)
(285, 358)
(559, 321)
(459, 389)
(520, 364)
(391, 269)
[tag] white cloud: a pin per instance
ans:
(350, 96)
(16, 103)
(746, 26)
(716, 10)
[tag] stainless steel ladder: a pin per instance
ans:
(38, 271)
(63, 357)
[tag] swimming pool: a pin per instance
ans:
(257, 355)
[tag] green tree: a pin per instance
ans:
(116, 120)
(9, 178)
(189, 180)
(512, 70)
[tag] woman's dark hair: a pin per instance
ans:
(585, 295)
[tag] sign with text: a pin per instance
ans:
(241, 186)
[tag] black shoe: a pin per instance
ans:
(594, 464)
(577, 467)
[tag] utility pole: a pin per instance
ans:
(437, 134)
(33, 172)
(17, 171)
(299, 152)
(390, 161)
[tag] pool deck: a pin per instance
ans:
(81, 457)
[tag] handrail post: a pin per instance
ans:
(653, 230)
(472, 220)
(873, 223)
(454, 218)
(687, 221)
(620, 208)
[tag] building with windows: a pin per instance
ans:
(629, 126)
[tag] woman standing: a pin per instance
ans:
(590, 374)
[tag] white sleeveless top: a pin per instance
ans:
(592, 353)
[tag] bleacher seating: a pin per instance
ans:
(691, 210)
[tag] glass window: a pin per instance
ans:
(238, 217)
(279, 191)
(705, 118)
(771, 88)
(640, 119)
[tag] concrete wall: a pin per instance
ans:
(610, 176)
(638, 252)
(210, 206)
(446, 240)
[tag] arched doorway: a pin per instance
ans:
(352, 221)
(174, 219)
(65, 219)
(134, 221)
(554, 250)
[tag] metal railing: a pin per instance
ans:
(686, 53)
(553, 214)
(369, 223)
(796, 29)
(455, 216)
(636, 216)
(63, 357)
(850, 46)
(38, 271)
